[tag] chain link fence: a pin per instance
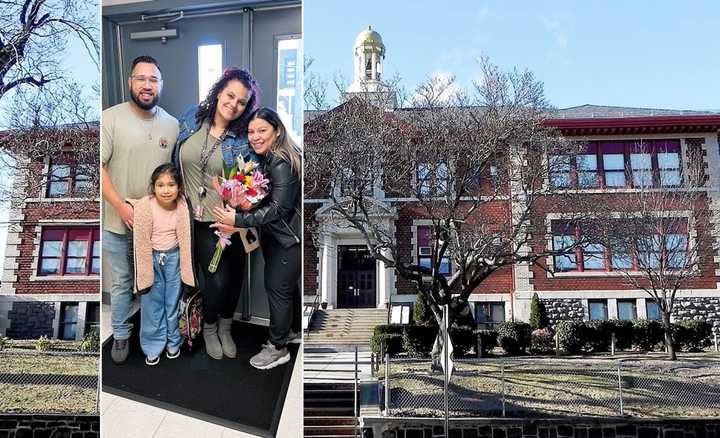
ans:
(58, 380)
(554, 387)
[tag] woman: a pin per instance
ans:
(211, 135)
(278, 218)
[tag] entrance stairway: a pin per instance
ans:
(329, 410)
(344, 326)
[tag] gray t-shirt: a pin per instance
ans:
(193, 176)
(131, 149)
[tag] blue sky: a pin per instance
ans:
(654, 54)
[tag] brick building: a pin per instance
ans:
(51, 278)
(340, 270)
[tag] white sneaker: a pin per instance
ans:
(270, 357)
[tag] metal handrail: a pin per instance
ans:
(355, 405)
(315, 305)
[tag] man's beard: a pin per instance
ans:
(144, 105)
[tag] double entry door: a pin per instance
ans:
(356, 277)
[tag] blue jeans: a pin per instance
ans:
(159, 307)
(115, 247)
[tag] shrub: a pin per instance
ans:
(691, 335)
(488, 340)
(571, 336)
(647, 334)
(4, 342)
(388, 335)
(624, 333)
(597, 335)
(422, 314)
(418, 340)
(538, 313)
(43, 343)
(90, 342)
(514, 337)
(542, 341)
(463, 340)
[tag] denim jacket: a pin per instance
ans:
(234, 145)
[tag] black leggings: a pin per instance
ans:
(282, 272)
(221, 290)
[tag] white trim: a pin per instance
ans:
(616, 293)
(59, 199)
(69, 221)
(94, 277)
(56, 320)
(34, 277)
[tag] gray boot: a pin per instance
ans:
(228, 345)
(212, 343)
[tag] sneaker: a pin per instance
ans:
(172, 354)
(294, 337)
(120, 350)
(270, 357)
(152, 361)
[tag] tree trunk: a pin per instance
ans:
(669, 344)
(436, 354)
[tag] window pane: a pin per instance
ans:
(96, 249)
(58, 180)
(75, 265)
(614, 162)
(598, 310)
(560, 179)
(670, 177)
(642, 169)
(58, 188)
(641, 161)
(565, 262)
(425, 262)
(559, 163)
(626, 310)
(586, 162)
(49, 266)
(68, 331)
(653, 310)
(289, 86)
(95, 269)
(77, 248)
(52, 249)
(668, 160)
(209, 67)
(615, 179)
(445, 266)
(70, 312)
(621, 261)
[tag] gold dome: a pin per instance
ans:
(369, 37)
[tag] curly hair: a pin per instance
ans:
(207, 108)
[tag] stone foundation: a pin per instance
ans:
(30, 320)
(49, 426)
(703, 309)
(564, 309)
(529, 428)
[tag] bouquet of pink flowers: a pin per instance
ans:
(242, 185)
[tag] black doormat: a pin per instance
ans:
(228, 392)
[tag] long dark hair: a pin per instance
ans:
(167, 169)
(207, 108)
(283, 147)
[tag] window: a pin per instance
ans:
(432, 179)
(92, 318)
(69, 251)
(653, 310)
(598, 309)
(666, 250)
(425, 243)
(289, 85)
(490, 314)
(210, 61)
(400, 313)
(627, 309)
(616, 164)
(67, 326)
(67, 178)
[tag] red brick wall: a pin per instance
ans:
(310, 256)
(35, 211)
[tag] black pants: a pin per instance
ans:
(282, 272)
(221, 290)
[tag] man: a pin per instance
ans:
(137, 136)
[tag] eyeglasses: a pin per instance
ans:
(141, 79)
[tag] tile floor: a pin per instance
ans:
(124, 418)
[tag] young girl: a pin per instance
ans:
(162, 256)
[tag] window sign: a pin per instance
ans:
(289, 83)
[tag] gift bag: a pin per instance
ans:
(191, 315)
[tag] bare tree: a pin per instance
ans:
(52, 139)
(658, 234)
(472, 164)
(314, 88)
(34, 38)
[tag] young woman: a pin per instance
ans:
(211, 135)
(163, 262)
(278, 217)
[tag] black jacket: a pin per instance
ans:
(279, 212)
